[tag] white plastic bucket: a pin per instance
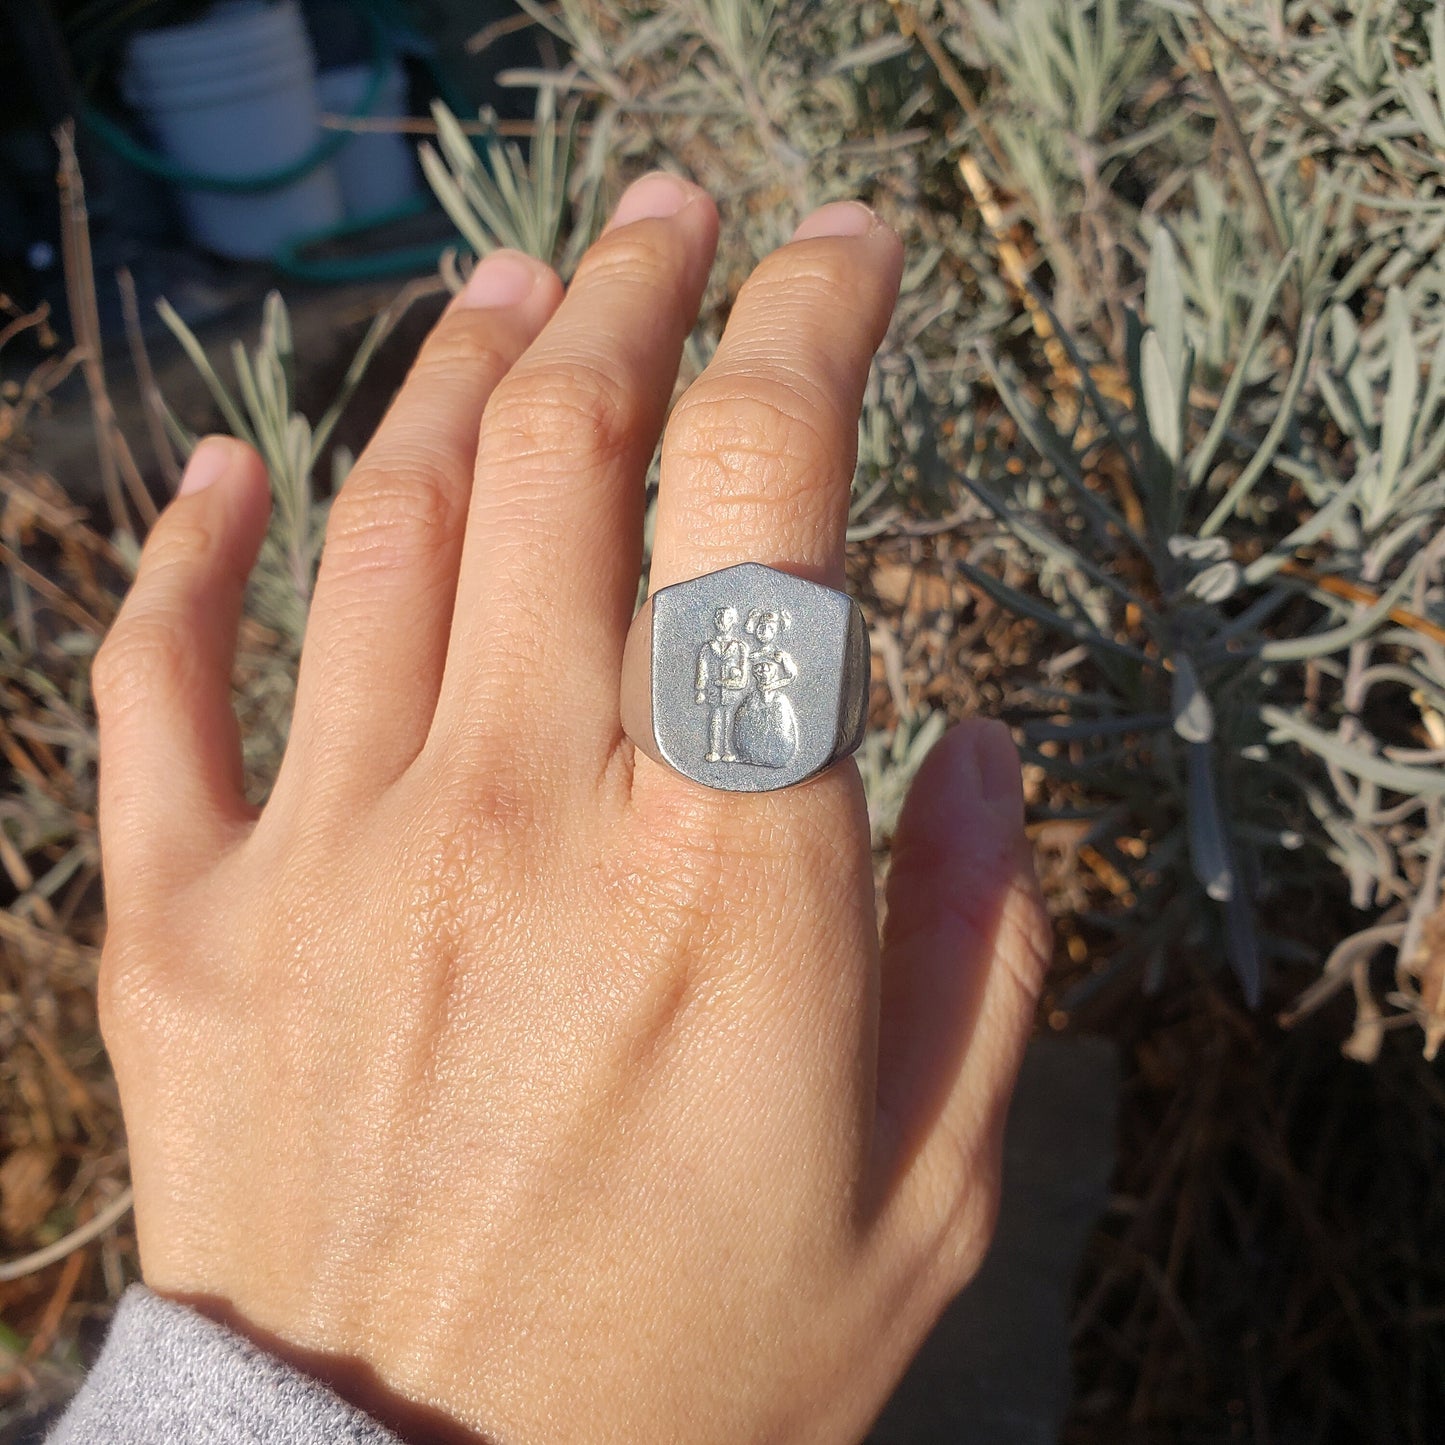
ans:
(235, 39)
(377, 170)
(235, 95)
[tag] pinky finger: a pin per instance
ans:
(964, 952)
(171, 786)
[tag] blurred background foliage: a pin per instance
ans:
(1150, 464)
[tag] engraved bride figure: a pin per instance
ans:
(766, 728)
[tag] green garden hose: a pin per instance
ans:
(292, 259)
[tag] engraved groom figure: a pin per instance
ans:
(722, 681)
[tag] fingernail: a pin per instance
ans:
(504, 278)
(1000, 779)
(653, 198)
(837, 218)
(209, 462)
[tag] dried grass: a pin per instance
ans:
(63, 1186)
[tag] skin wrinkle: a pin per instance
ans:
(144, 661)
(145, 655)
(350, 652)
(761, 481)
(785, 465)
(967, 903)
(395, 735)
(462, 350)
(179, 546)
(593, 548)
(616, 765)
(729, 406)
(822, 407)
(808, 294)
(467, 352)
(595, 514)
(391, 519)
(671, 910)
(533, 413)
(808, 277)
(393, 603)
(784, 497)
(459, 784)
(627, 263)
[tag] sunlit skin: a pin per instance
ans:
(520, 1088)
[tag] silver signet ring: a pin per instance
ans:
(748, 679)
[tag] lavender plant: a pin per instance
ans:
(263, 412)
(526, 201)
(1260, 594)
(261, 408)
(1159, 698)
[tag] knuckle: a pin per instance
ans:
(465, 343)
(390, 514)
(144, 655)
(951, 1209)
(964, 1233)
(803, 280)
(628, 254)
(473, 790)
(178, 543)
(578, 407)
(756, 442)
(148, 1003)
(110, 672)
(128, 991)
(116, 993)
(1024, 947)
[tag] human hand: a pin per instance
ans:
(518, 1087)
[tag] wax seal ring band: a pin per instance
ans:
(747, 679)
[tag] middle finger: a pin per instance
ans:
(554, 533)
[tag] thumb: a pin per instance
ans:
(965, 947)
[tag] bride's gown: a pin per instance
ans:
(766, 730)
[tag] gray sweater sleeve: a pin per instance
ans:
(169, 1376)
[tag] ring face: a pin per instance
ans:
(755, 679)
